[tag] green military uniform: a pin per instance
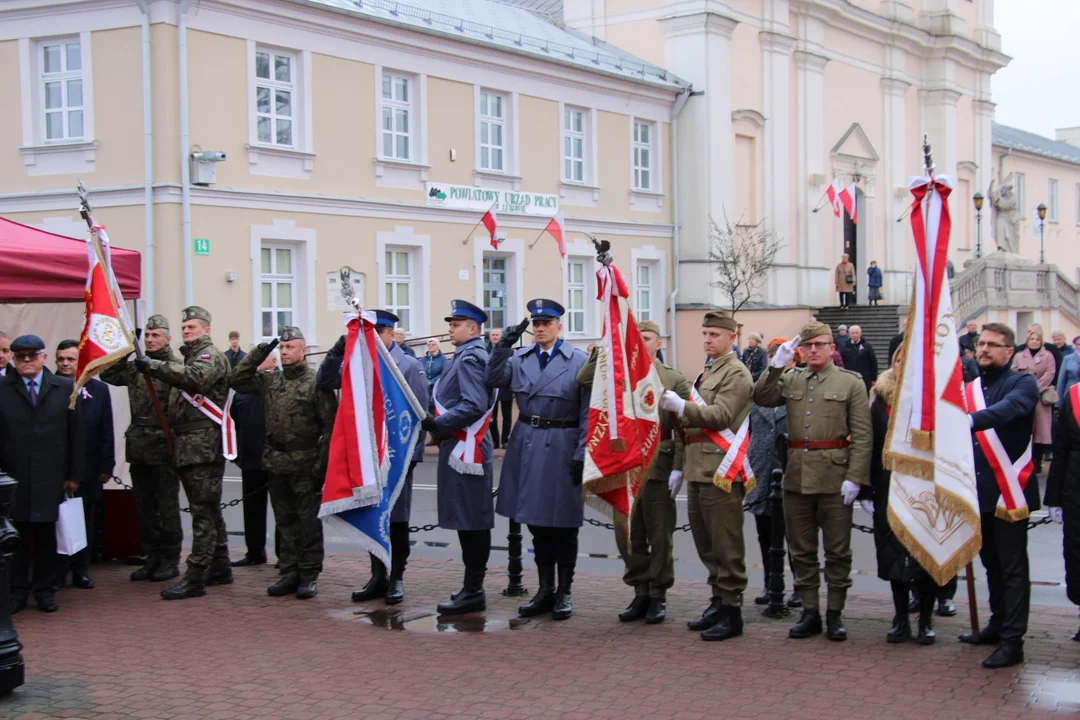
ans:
(153, 477)
(830, 441)
(199, 459)
(299, 422)
(649, 559)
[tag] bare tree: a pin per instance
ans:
(743, 255)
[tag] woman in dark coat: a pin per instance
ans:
(895, 564)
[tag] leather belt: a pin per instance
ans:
(292, 445)
(697, 438)
(146, 422)
(192, 426)
(818, 444)
(548, 424)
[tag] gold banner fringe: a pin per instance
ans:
(1012, 515)
(96, 367)
(603, 485)
(922, 440)
(941, 574)
(889, 459)
(916, 467)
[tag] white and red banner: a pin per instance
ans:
(556, 228)
(220, 416)
(491, 223)
(847, 198)
(466, 457)
(933, 505)
(1012, 476)
(624, 409)
(735, 467)
(833, 191)
(107, 336)
(356, 470)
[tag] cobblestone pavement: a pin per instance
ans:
(120, 652)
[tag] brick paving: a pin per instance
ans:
(118, 651)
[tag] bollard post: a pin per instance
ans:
(777, 607)
(11, 662)
(513, 569)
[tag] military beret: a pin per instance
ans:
(157, 322)
(814, 329)
(290, 332)
(25, 343)
(719, 320)
(648, 326)
(194, 312)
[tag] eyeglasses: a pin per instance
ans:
(26, 357)
(991, 345)
(815, 345)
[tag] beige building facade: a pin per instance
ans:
(260, 154)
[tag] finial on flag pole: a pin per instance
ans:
(928, 160)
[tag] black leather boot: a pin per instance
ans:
(834, 626)
(636, 610)
(657, 611)
(926, 621)
(220, 576)
(729, 626)
(710, 617)
(808, 624)
(544, 599)
(989, 635)
(395, 591)
(901, 627)
(286, 585)
(191, 586)
(376, 587)
(146, 570)
(399, 555)
(309, 588)
(794, 601)
(471, 597)
(763, 597)
(563, 606)
(165, 571)
(1005, 656)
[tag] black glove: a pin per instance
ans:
(513, 334)
(138, 334)
(577, 470)
(339, 348)
(268, 347)
(142, 364)
(428, 423)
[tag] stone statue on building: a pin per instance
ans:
(1006, 226)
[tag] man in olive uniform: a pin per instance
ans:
(199, 389)
(463, 409)
(649, 559)
(828, 465)
(299, 422)
(716, 421)
(153, 476)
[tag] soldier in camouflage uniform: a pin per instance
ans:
(199, 459)
(299, 422)
(153, 478)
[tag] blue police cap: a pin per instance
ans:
(464, 310)
(385, 319)
(549, 309)
(27, 343)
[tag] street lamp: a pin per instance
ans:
(1042, 232)
(978, 198)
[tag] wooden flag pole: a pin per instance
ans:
(974, 610)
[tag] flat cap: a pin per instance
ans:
(814, 329)
(194, 312)
(290, 332)
(465, 310)
(648, 326)
(542, 308)
(719, 320)
(157, 322)
(25, 343)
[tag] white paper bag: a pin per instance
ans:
(70, 527)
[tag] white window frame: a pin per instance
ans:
(273, 86)
(572, 312)
(403, 239)
(61, 156)
(1052, 200)
(296, 161)
(275, 278)
(396, 105)
(285, 234)
(513, 249)
(393, 279)
(636, 148)
(487, 121)
(391, 171)
(64, 76)
(585, 253)
(569, 135)
(656, 260)
(507, 178)
(584, 192)
(1021, 194)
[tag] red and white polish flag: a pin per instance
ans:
(555, 229)
(833, 191)
(847, 199)
(490, 222)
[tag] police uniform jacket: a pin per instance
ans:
(536, 486)
(829, 405)
(726, 387)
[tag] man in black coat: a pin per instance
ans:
(41, 448)
(1063, 489)
(99, 459)
(1010, 398)
(858, 355)
(250, 417)
(234, 354)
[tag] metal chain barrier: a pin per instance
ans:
(231, 503)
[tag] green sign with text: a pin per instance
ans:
(202, 246)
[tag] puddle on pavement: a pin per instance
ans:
(427, 622)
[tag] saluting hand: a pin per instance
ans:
(786, 352)
(268, 347)
(339, 348)
(512, 335)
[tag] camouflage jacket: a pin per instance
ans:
(145, 442)
(299, 416)
(205, 371)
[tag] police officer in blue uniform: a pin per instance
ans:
(541, 477)
(463, 402)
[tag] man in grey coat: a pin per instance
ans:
(393, 589)
(541, 477)
(463, 410)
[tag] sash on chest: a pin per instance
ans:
(220, 417)
(735, 467)
(466, 457)
(1012, 477)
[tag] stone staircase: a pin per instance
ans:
(879, 324)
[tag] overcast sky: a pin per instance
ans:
(1038, 90)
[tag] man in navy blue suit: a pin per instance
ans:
(99, 458)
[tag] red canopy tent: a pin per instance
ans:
(38, 266)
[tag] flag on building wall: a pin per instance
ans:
(489, 222)
(833, 191)
(555, 229)
(848, 200)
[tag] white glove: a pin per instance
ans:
(867, 506)
(671, 401)
(674, 483)
(971, 422)
(850, 491)
(1056, 514)
(786, 352)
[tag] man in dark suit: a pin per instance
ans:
(41, 448)
(250, 417)
(99, 458)
(504, 403)
(859, 356)
(234, 354)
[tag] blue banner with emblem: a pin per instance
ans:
(371, 525)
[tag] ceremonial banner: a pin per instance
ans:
(624, 409)
(403, 415)
(108, 335)
(358, 447)
(933, 505)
